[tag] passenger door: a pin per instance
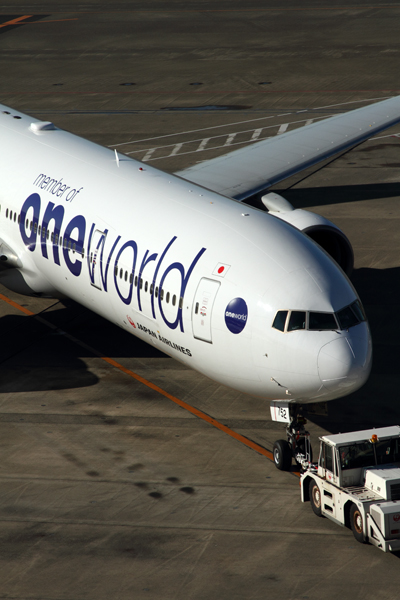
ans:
(202, 309)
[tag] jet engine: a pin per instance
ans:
(319, 229)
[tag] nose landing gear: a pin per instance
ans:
(297, 445)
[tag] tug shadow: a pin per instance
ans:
(377, 403)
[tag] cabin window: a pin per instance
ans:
(145, 286)
(141, 283)
(131, 278)
(196, 309)
(173, 300)
(136, 281)
(7, 213)
(151, 289)
(35, 228)
(126, 275)
(180, 302)
(156, 292)
(162, 294)
(167, 298)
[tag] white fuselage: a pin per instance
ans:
(196, 274)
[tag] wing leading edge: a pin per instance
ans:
(252, 169)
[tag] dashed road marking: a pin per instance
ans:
(283, 128)
(176, 149)
(230, 139)
(203, 144)
(227, 139)
(246, 121)
(256, 134)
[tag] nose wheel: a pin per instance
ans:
(297, 444)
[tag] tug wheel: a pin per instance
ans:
(357, 524)
(315, 498)
(282, 455)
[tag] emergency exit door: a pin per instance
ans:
(202, 309)
(96, 247)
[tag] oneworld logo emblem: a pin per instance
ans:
(236, 315)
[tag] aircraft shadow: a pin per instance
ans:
(338, 194)
(34, 357)
(377, 403)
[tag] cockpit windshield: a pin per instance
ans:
(366, 454)
(292, 320)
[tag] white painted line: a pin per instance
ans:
(203, 144)
(149, 153)
(248, 121)
(283, 128)
(159, 137)
(230, 139)
(214, 148)
(382, 137)
(308, 122)
(222, 136)
(176, 149)
(256, 134)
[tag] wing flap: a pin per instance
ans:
(252, 169)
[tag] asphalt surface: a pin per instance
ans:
(108, 488)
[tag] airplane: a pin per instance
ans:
(257, 301)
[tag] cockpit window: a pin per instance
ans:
(321, 321)
(347, 317)
(358, 310)
(280, 320)
(297, 320)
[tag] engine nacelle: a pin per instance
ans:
(319, 229)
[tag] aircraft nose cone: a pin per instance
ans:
(346, 362)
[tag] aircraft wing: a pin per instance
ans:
(252, 169)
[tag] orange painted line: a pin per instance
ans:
(194, 411)
(15, 305)
(15, 21)
(52, 21)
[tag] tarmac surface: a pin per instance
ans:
(108, 488)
